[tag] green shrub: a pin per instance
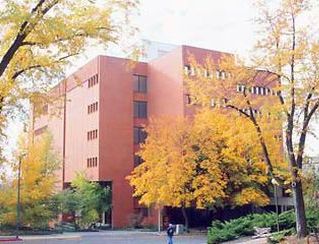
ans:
(235, 228)
(312, 219)
(244, 226)
(277, 237)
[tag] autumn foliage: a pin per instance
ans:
(38, 183)
(41, 38)
(208, 161)
(281, 82)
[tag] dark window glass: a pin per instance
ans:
(140, 83)
(139, 135)
(140, 109)
(143, 84)
(188, 98)
(137, 160)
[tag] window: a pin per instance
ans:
(139, 135)
(268, 91)
(223, 75)
(92, 107)
(91, 162)
(92, 81)
(188, 98)
(218, 74)
(137, 160)
(213, 103)
(91, 135)
(240, 88)
(140, 83)
(140, 109)
(187, 69)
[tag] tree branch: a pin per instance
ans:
(26, 27)
(20, 72)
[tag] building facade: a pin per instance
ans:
(100, 114)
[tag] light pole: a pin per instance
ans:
(18, 196)
(275, 184)
(159, 221)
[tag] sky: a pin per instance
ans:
(213, 24)
(223, 25)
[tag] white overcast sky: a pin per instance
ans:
(224, 25)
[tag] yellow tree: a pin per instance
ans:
(39, 38)
(199, 163)
(239, 155)
(164, 176)
(38, 182)
(281, 84)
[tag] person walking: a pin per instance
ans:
(170, 233)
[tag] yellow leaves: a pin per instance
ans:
(38, 173)
(50, 37)
(251, 196)
(201, 162)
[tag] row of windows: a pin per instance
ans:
(91, 135)
(255, 111)
(92, 107)
(91, 162)
(92, 81)
(140, 83)
(41, 130)
(140, 109)
(139, 135)
(219, 74)
(258, 90)
(222, 102)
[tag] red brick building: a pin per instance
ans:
(103, 108)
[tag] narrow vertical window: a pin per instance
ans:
(140, 109)
(140, 83)
(139, 135)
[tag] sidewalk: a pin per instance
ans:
(65, 236)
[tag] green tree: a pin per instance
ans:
(88, 199)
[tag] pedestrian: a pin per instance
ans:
(170, 233)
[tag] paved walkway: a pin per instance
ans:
(113, 237)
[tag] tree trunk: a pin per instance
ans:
(301, 224)
(298, 198)
(185, 218)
